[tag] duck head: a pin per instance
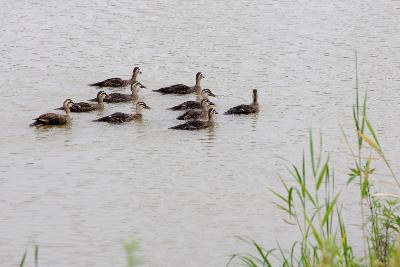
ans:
(205, 93)
(101, 95)
(136, 86)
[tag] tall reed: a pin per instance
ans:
(311, 203)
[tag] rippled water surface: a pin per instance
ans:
(81, 191)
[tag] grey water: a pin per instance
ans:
(81, 191)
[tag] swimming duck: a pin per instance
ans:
(246, 109)
(118, 82)
(86, 107)
(205, 93)
(198, 124)
(118, 97)
(194, 114)
(53, 118)
(182, 89)
(119, 117)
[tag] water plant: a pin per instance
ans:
(36, 257)
(310, 202)
(130, 247)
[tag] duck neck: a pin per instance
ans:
(204, 114)
(138, 110)
(67, 111)
(210, 117)
(255, 100)
(135, 92)
(204, 108)
(100, 101)
(134, 77)
(197, 86)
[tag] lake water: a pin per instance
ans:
(81, 191)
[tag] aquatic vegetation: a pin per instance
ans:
(36, 257)
(130, 247)
(311, 202)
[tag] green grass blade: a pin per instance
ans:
(322, 174)
(263, 255)
(329, 210)
(22, 263)
(312, 156)
(36, 255)
(372, 131)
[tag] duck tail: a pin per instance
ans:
(174, 108)
(102, 119)
(35, 123)
(99, 84)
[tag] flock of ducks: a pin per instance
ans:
(199, 114)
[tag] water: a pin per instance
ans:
(81, 191)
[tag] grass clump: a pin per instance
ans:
(311, 202)
(130, 246)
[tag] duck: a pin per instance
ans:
(119, 117)
(205, 93)
(198, 124)
(246, 109)
(182, 89)
(118, 97)
(194, 114)
(54, 118)
(87, 107)
(118, 82)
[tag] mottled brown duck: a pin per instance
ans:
(205, 93)
(182, 89)
(119, 117)
(54, 118)
(246, 109)
(195, 114)
(197, 124)
(118, 82)
(87, 107)
(119, 97)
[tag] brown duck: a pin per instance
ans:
(53, 118)
(198, 124)
(194, 114)
(246, 109)
(119, 117)
(118, 82)
(87, 107)
(118, 97)
(205, 93)
(182, 89)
